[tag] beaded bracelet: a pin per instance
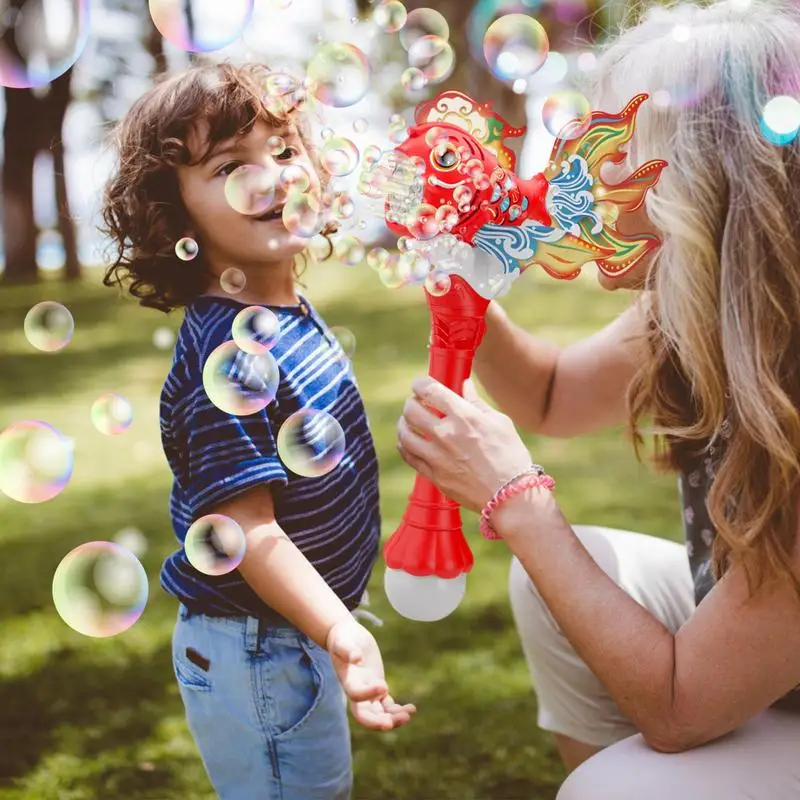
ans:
(529, 478)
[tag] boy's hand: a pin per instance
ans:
(359, 667)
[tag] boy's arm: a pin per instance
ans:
(276, 569)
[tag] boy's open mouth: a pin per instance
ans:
(276, 212)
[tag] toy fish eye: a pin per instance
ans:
(445, 157)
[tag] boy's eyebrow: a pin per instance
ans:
(215, 151)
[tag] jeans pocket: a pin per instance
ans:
(190, 665)
(295, 685)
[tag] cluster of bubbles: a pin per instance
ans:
(40, 41)
(201, 26)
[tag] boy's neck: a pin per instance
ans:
(268, 285)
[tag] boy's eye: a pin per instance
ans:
(289, 152)
(226, 169)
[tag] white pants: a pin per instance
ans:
(758, 761)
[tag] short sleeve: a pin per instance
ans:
(227, 454)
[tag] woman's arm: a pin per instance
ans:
(561, 392)
(731, 660)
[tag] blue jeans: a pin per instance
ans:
(265, 708)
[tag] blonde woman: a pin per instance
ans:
(665, 671)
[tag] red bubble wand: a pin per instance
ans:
(560, 220)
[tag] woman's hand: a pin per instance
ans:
(469, 453)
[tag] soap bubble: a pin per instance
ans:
(111, 414)
(423, 223)
(390, 15)
(423, 22)
(567, 114)
(371, 155)
(163, 338)
(377, 257)
(438, 283)
(232, 280)
(349, 251)
(100, 589)
(343, 206)
(256, 329)
(515, 46)
(186, 249)
(250, 190)
(346, 339)
(36, 461)
(240, 383)
(215, 544)
(339, 156)
(40, 41)
(340, 73)
(360, 125)
(303, 214)
(295, 176)
(311, 443)
(49, 326)
(276, 145)
(413, 80)
(201, 26)
(433, 56)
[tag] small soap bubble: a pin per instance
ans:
(215, 544)
(390, 16)
(250, 190)
(371, 155)
(186, 249)
(303, 214)
(343, 206)
(311, 443)
(423, 22)
(276, 145)
(40, 41)
(515, 46)
(240, 383)
(36, 461)
(100, 589)
(201, 26)
(434, 57)
(132, 539)
(346, 339)
(232, 280)
(111, 414)
(390, 273)
(256, 329)
(413, 80)
(349, 251)
(49, 326)
(377, 257)
(163, 338)
(567, 114)
(295, 176)
(339, 156)
(423, 223)
(360, 125)
(414, 267)
(340, 73)
(437, 283)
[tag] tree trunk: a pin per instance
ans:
(55, 109)
(20, 147)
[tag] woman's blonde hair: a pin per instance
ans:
(725, 285)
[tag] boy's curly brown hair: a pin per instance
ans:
(143, 212)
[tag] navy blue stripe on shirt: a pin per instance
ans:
(334, 519)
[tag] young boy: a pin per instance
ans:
(264, 654)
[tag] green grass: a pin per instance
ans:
(89, 719)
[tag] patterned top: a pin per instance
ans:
(333, 518)
(694, 485)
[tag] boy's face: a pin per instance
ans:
(226, 237)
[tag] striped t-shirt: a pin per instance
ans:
(334, 518)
